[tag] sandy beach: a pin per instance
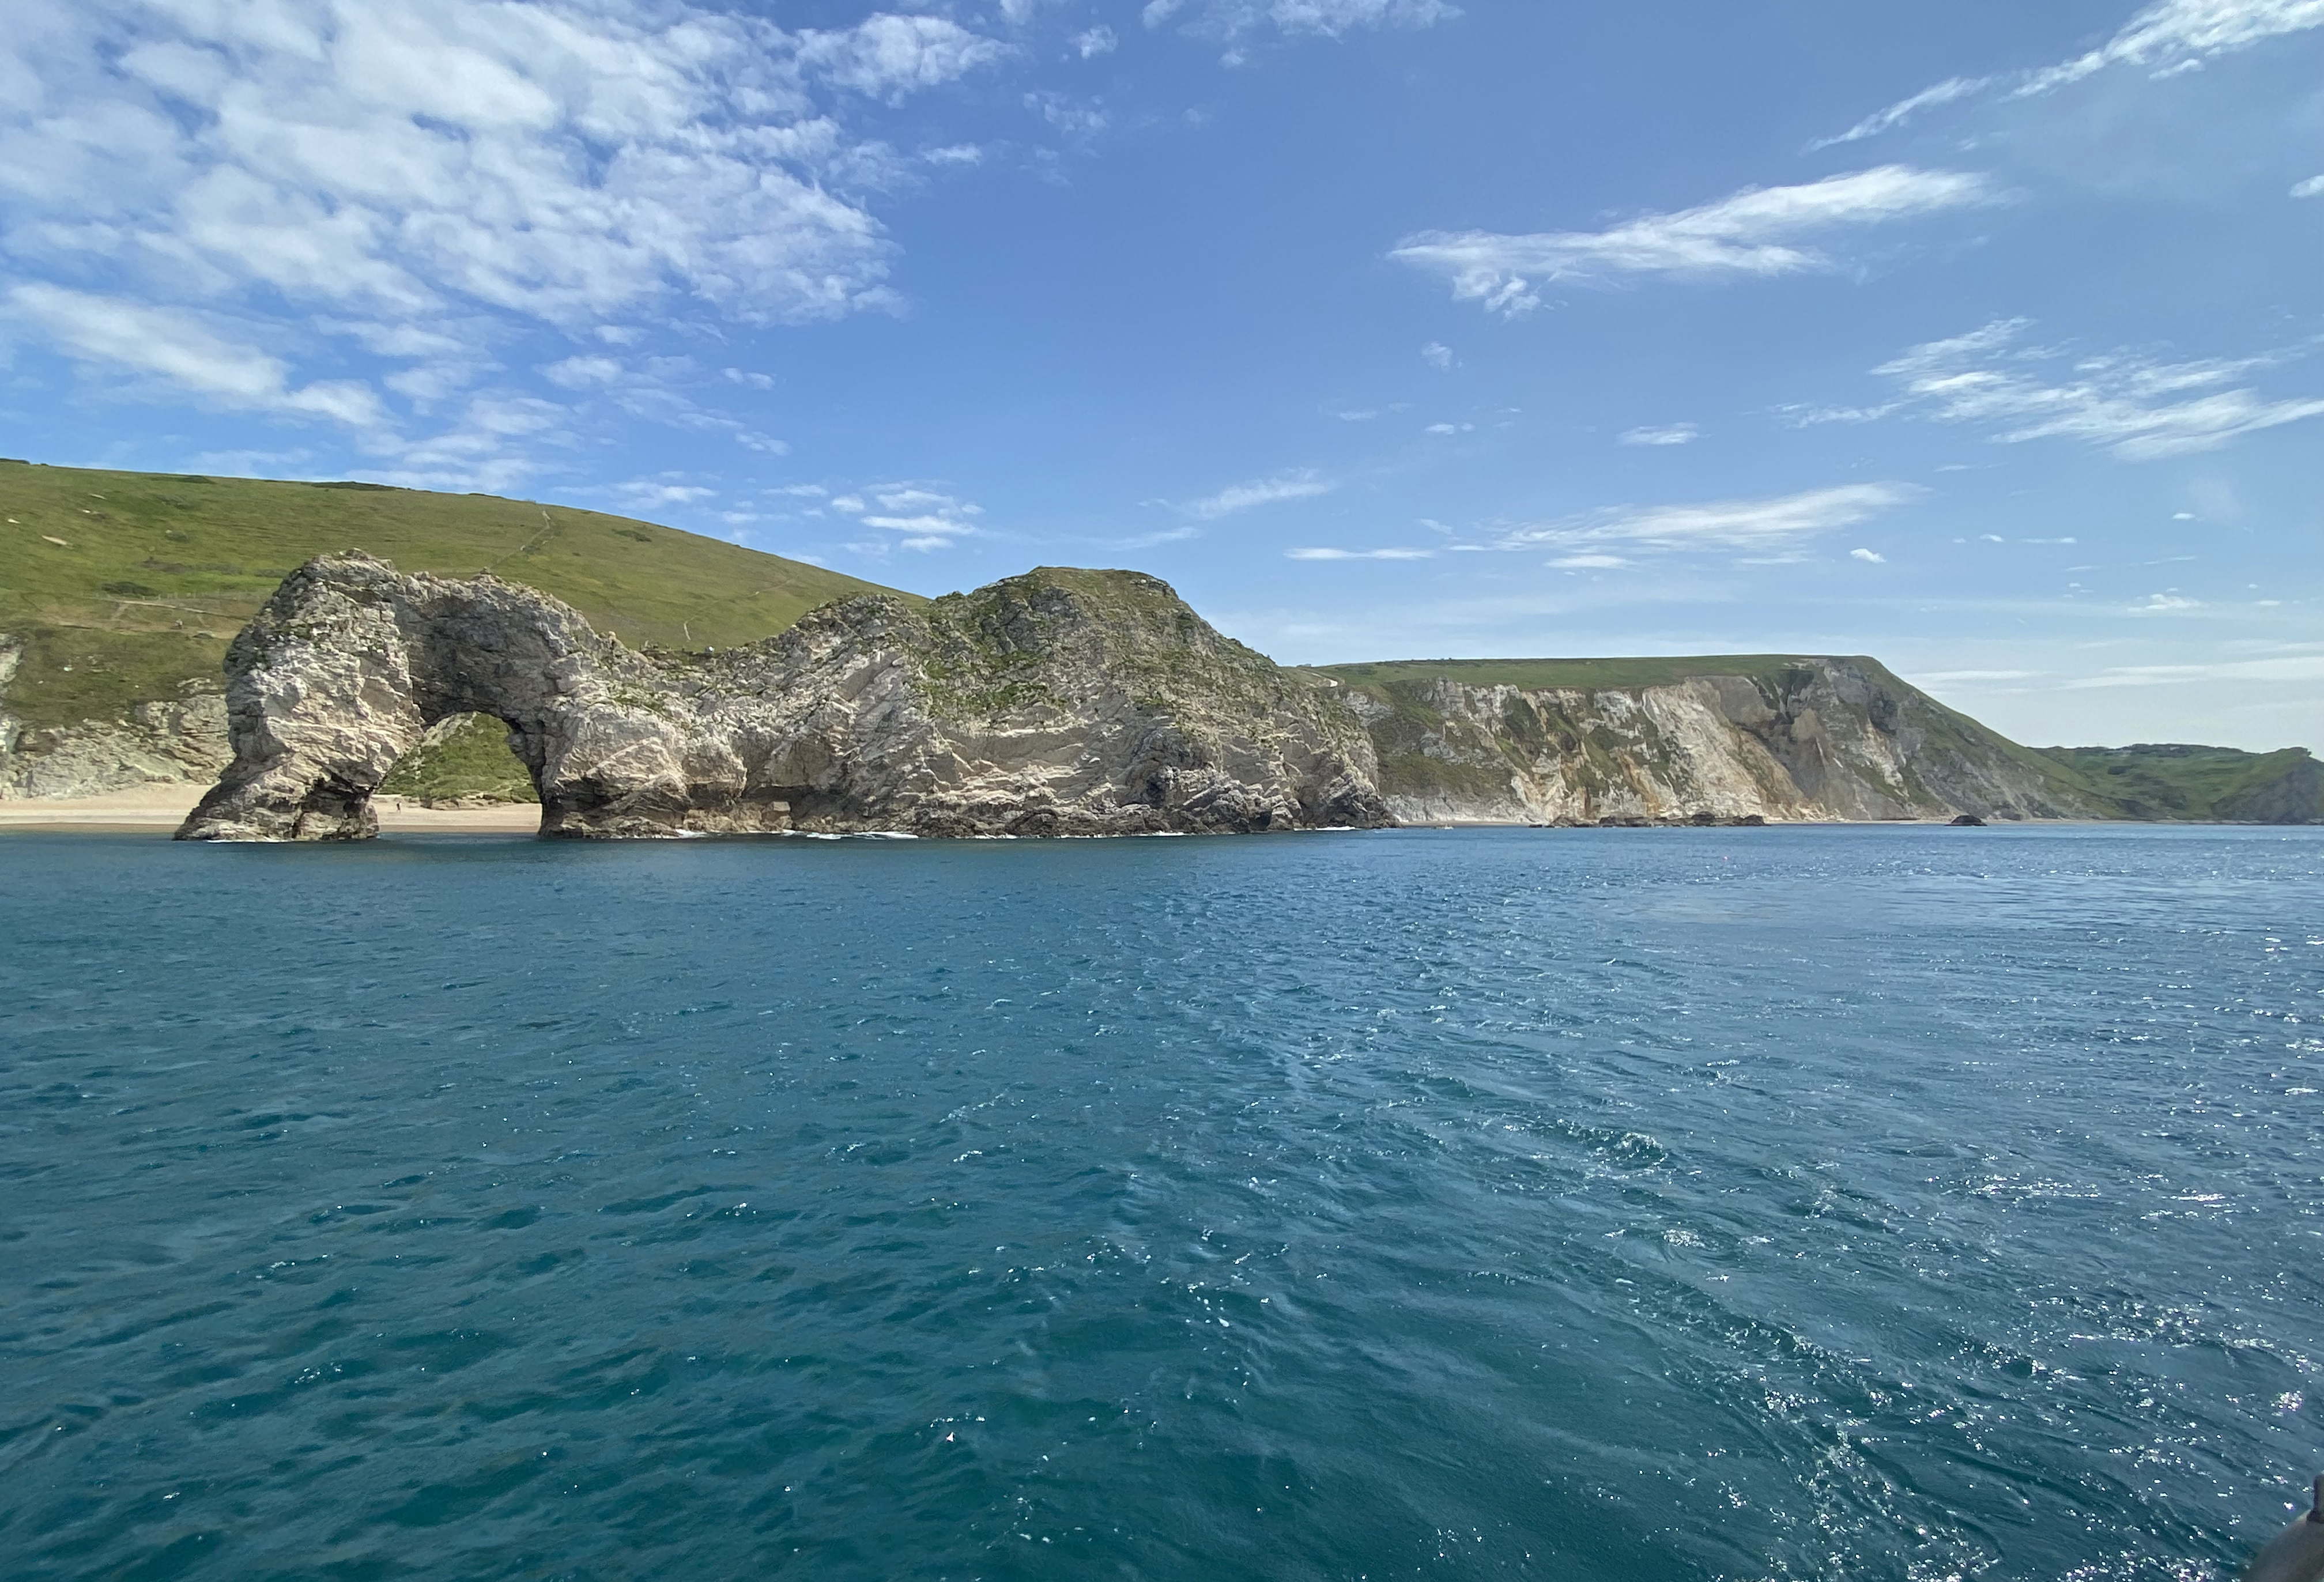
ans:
(159, 810)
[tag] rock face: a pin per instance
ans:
(1059, 703)
(1814, 738)
(153, 743)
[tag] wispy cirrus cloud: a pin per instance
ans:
(1667, 434)
(1235, 19)
(1298, 483)
(2171, 36)
(1759, 231)
(177, 346)
(2135, 405)
(2295, 667)
(1778, 525)
(1391, 554)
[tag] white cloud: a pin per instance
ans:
(652, 493)
(2169, 37)
(423, 179)
(179, 350)
(549, 159)
(1437, 355)
(1671, 434)
(1903, 110)
(583, 372)
(1069, 115)
(1869, 557)
(2177, 32)
(1594, 562)
(2307, 668)
(928, 519)
(2311, 188)
(1098, 41)
(1300, 483)
(1234, 18)
(887, 57)
(1358, 554)
(2129, 403)
(1759, 231)
(1778, 524)
(2166, 603)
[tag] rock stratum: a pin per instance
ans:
(1058, 703)
(1810, 739)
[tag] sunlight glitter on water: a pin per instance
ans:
(1584, 1204)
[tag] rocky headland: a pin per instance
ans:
(1058, 703)
(1809, 738)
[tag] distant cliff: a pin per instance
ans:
(2172, 780)
(1058, 703)
(1696, 740)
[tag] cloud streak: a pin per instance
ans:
(2134, 405)
(1778, 525)
(1236, 19)
(179, 349)
(2174, 36)
(1760, 231)
(1300, 483)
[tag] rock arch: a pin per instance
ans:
(351, 661)
(1058, 703)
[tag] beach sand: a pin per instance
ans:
(159, 810)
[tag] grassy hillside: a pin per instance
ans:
(124, 586)
(2203, 784)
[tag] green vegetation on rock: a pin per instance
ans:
(126, 587)
(2170, 781)
(464, 758)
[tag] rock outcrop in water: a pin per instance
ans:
(1059, 703)
(1806, 738)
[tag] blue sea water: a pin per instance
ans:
(1846, 1203)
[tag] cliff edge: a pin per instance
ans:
(1696, 741)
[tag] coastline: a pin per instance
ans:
(159, 810)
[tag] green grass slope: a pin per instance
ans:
(123, 587)
(2171, 781)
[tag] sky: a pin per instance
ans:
(1983, 337)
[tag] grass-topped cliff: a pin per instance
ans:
(1424, 750)
(122, 587)
(1805, 736)
(2221, 785)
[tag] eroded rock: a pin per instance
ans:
(1059, 703)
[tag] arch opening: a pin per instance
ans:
(465, 760)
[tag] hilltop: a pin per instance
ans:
(119, 591)
(2222, 785)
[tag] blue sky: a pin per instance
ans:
(1984, 338)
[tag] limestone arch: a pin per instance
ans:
(351, 661)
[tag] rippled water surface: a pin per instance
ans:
(1576, 1204)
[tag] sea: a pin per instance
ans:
(1600, 1205)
